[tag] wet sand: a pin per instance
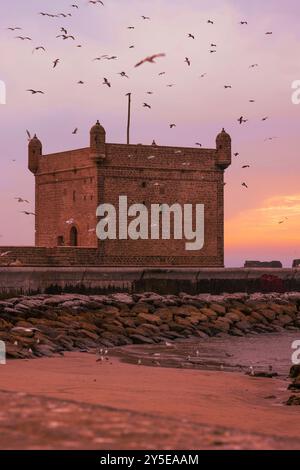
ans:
(187, 407)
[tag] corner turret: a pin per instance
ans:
(34, 153)
(223, 143)
(97, 142)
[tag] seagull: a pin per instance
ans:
(146, 105)
(169, 345)
(198, 144)
(106, 82)
(210, 22)
(243, 22)
(27, 213)
(123, 74)
(172, 125)
(139, 362)
(246, 166)
(14, 28)
(236, 154)
(55, 62)
(75, 131)
(34, 92)
(191, 36)
(253, 66)
(38, 49)
(227, 86)
(269, 33)
(24, 38)
(187, 60)
(150, 59)
(203, 75)
(20, 199)
(245, 185)
(241, 120)
(265, 118)
(145, 17)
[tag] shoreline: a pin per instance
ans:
(231, 403)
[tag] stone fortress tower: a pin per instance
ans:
(71, 185)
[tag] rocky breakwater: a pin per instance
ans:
(44, 325)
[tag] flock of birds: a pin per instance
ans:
(65, 35)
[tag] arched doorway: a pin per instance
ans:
(74, 236)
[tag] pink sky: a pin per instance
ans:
(199, 106)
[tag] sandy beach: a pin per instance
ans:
(133, 406)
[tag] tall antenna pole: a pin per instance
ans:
(129, 117)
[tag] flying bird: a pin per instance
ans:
(55, 62)
(34, 92)
(245, 185)
(265, 118)
(146, 105)
(15, 28)
(210, 22)
(191, 36)
(246, 166)
(172, 125)
(20, 199)
(39, 48)
(24, 38)
(5, 253)
(241, 120)
(123, 74)
(75, 130)
(27, 213)
(106, 82)
(145, 17)
(187, 60)
(150, 59)
(243, 22)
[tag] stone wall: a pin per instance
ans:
(23, 280)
